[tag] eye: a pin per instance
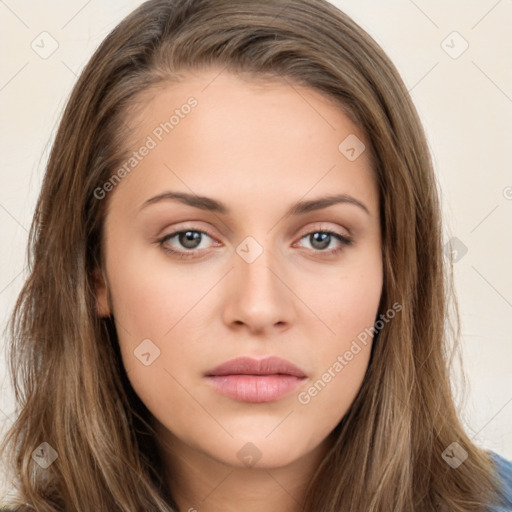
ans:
(189, 239)
(320, 240)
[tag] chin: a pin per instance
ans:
(257, 452)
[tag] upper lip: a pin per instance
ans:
(249, 366)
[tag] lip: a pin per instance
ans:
(255, 380)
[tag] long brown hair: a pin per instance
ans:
(70, 386)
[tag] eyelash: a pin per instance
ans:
(344, 241)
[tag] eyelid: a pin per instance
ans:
(186, 227)
(318, 226)
(322, 226)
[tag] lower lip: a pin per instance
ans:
(254, 388)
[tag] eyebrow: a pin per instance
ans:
(212, 205)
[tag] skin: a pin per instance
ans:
(258, 148)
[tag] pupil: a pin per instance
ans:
(322, 238)
(190, 239)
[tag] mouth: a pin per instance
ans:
(255, 380)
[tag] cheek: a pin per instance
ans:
(348, 301)
(149, 296)
(350, 309)
(333, 389)
(156, 308)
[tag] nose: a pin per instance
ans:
(259, 295)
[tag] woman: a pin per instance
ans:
(186, 341)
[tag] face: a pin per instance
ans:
(230, 268)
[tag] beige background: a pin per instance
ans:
(465, 104)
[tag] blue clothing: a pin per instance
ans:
(504, 468)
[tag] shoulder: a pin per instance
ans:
(504, 470)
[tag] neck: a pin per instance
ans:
(200, 483)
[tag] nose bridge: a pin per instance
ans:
(259, 296)
(258, 265)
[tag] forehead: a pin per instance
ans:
(217, 132)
